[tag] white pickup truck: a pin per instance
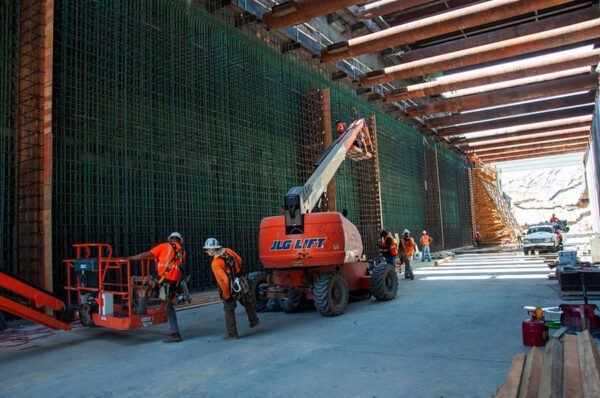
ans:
(541, 238)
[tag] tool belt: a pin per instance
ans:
(167, 290)
(238, 282)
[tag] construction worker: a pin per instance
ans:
(340, 127)
(477, 240)
(558, 236)
(227, 267)
(169, 256)
(554, 218)
(407, 250)
(474, 160)
(388, 247)
(425, 242)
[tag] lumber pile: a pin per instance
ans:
(568, 368)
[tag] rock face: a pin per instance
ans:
(537, 194)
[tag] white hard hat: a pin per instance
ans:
(406, 231)
(176, 235)
(424, 232)
(212, 243)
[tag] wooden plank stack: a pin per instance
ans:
(568, 368)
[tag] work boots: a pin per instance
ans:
(230, 324)
(173, 338)
(408, 273)
(250, 311)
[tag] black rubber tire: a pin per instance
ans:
(257, 280)
(330, 294)
(290, 305)
(273, 305)
(384, 282)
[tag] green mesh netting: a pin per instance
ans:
(165, 118)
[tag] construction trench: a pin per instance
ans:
(121, 122)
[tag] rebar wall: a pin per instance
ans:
(456, 209)
(8, 69)
(165, 118)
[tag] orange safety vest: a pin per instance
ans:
(408, 247)
(169, 257)
(425, 240)
(394, 247)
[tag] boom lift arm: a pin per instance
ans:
(301, 200)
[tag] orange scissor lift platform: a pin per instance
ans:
(100, 291)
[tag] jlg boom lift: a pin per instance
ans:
(318, 256)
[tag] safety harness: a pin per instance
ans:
(238, 284)
(178, 255)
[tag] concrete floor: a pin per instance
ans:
(450, 333)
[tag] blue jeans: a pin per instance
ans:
(426, 252)
(391, 260)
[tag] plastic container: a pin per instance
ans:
(567, 257)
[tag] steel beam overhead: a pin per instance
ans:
(534, 155)
(534, 133)
(558, 138)
(451, 21)
(530, 153)
(533, 148)
(514, 110)
(494, 36)
(499, 73)
(295, 12)
(385, 7)
(517, 121)
(490, 52)
(509, 95)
